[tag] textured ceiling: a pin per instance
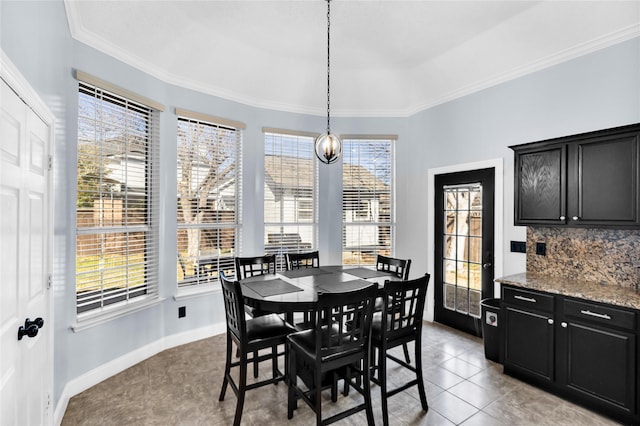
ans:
(388, 58)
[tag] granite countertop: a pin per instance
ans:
(605, 293)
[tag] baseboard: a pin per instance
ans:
(111, 368)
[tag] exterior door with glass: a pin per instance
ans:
(464, 229)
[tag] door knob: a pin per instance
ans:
(39, 322)
(487, 265)
(30, 328)
(31, 331)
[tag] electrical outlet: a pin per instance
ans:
(518, 247)
(541, 249)
(182, 311)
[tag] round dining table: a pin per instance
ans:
(297, 290)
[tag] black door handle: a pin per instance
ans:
(38, 322)
(30, 328)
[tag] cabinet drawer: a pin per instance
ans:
(605, 315)
(528, 299)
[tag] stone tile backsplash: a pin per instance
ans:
(609, 256)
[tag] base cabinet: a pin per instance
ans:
(530, 338)
(584, 351)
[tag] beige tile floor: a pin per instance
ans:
(180, 386)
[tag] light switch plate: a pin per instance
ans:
(518, 247)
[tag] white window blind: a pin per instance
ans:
(290, 188)
(367, 199)
(117, 201)
(209, 173)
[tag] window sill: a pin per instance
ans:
(195, 291)
(92, 319)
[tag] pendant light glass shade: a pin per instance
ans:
(328, 148)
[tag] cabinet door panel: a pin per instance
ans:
(601, 364)
(529, 343)
(608, 181)
(540, 191)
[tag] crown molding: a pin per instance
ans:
(81, 34)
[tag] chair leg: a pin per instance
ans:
(334, 386)
(382, 378)
(242, 387)
(366, 380)
(227, 370)
(421, 391)
(347, 386)
(318, 397)
(405, 346)
(274, 361)
(255, 364)
(292, 380)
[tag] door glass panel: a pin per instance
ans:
(462, 300)
(463, 249)
(475, 249)
(449, 297)
(449, 271)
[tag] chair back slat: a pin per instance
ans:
(257, 265)
(344, 320)
(404, 308)
(303, 260)
(233, 307)
(398, 267)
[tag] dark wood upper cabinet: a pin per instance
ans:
(590, 179)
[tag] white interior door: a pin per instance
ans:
(25, 364)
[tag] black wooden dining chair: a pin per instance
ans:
(399, 323)
(249, 336)
(303, 260)
(247, 267)
(255, 265)
(338, 345)
(398, 267)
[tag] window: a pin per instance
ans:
(117, 199)
(367, 199)
(208, 202)
(290, 187)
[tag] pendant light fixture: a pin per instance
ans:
(328, 146)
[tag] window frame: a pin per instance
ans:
(201, 281)
(364, 216)
(142, 113)
(305, 210)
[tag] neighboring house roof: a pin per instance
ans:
(282, 172)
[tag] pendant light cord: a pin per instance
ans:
(328, 66)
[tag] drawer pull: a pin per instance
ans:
(526, 299)
(595, 314)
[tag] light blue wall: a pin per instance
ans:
(596, 91)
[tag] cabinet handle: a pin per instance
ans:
(575, 218)
(595, 314)
(563, 324)
(526, 299)
(550, 320)
(562, 218)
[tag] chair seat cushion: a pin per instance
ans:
(267, 327)
(306, 342)
(376, 329)
(255, 312)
